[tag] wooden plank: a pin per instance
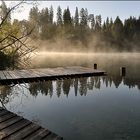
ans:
(2, 76)
(6, 117)
(23, 133)
(35, 73)
(3, 112)
(24, 74)
(14, 75)
(46, 74)
(10, 122)
(1, 108)
(50, 72)
(13, 128)
(7, 75)
(39, 72)
(38, 135)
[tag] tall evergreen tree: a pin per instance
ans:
(44, 23)
(67, 17)
(51, 15)
(76, 18)
(34, 21)
(117, 28)
(92, 20)
(98, 23)
(107, 23)
(84, 17)
(59, 16)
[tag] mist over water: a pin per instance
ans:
(110, 62)
(104, 60)
(85, 108)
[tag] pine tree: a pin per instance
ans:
(117, 28)
(67, 17)
(92, 20)
(107, 23)
(59, 16)
(34, 21)
(76, 18)
(84, 17)
(98, 23)
(51, 15)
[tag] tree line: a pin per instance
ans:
(83, 26)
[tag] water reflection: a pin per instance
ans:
(78, 108)
(83, 108)
(63, 86)
(5, 92)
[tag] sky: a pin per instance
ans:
(123, 9)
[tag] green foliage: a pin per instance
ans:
(34, 21)
(13, 37)
(117, 29)
(59, 16)
(51, 15)
(76, 18)
(84, 27)
(84, 18)
(67, 17)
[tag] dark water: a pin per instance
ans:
(91, 108)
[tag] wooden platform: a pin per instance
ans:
(18, 76)
(13, 127)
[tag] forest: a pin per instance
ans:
(84, 32)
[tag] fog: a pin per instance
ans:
(55, 59)
(66, 45)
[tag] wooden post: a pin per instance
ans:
(122, 71)
(95, 66)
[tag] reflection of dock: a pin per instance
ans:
(13, 127)
(29, 75)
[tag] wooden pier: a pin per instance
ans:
(30, 75)
(13, 127)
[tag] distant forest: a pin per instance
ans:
(86, 28)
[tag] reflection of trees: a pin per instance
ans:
(83, 86)
(5, 91)
(41, 87)
(66, 86)
(80, 85)
(75, 86)
(58, 87)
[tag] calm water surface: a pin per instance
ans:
(91, 108)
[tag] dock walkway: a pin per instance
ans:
(29, 75)
(14, 127)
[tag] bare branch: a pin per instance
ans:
(9, 11)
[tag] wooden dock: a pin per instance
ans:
(30, 75)
(13, 127)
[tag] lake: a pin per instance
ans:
(88, 108)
